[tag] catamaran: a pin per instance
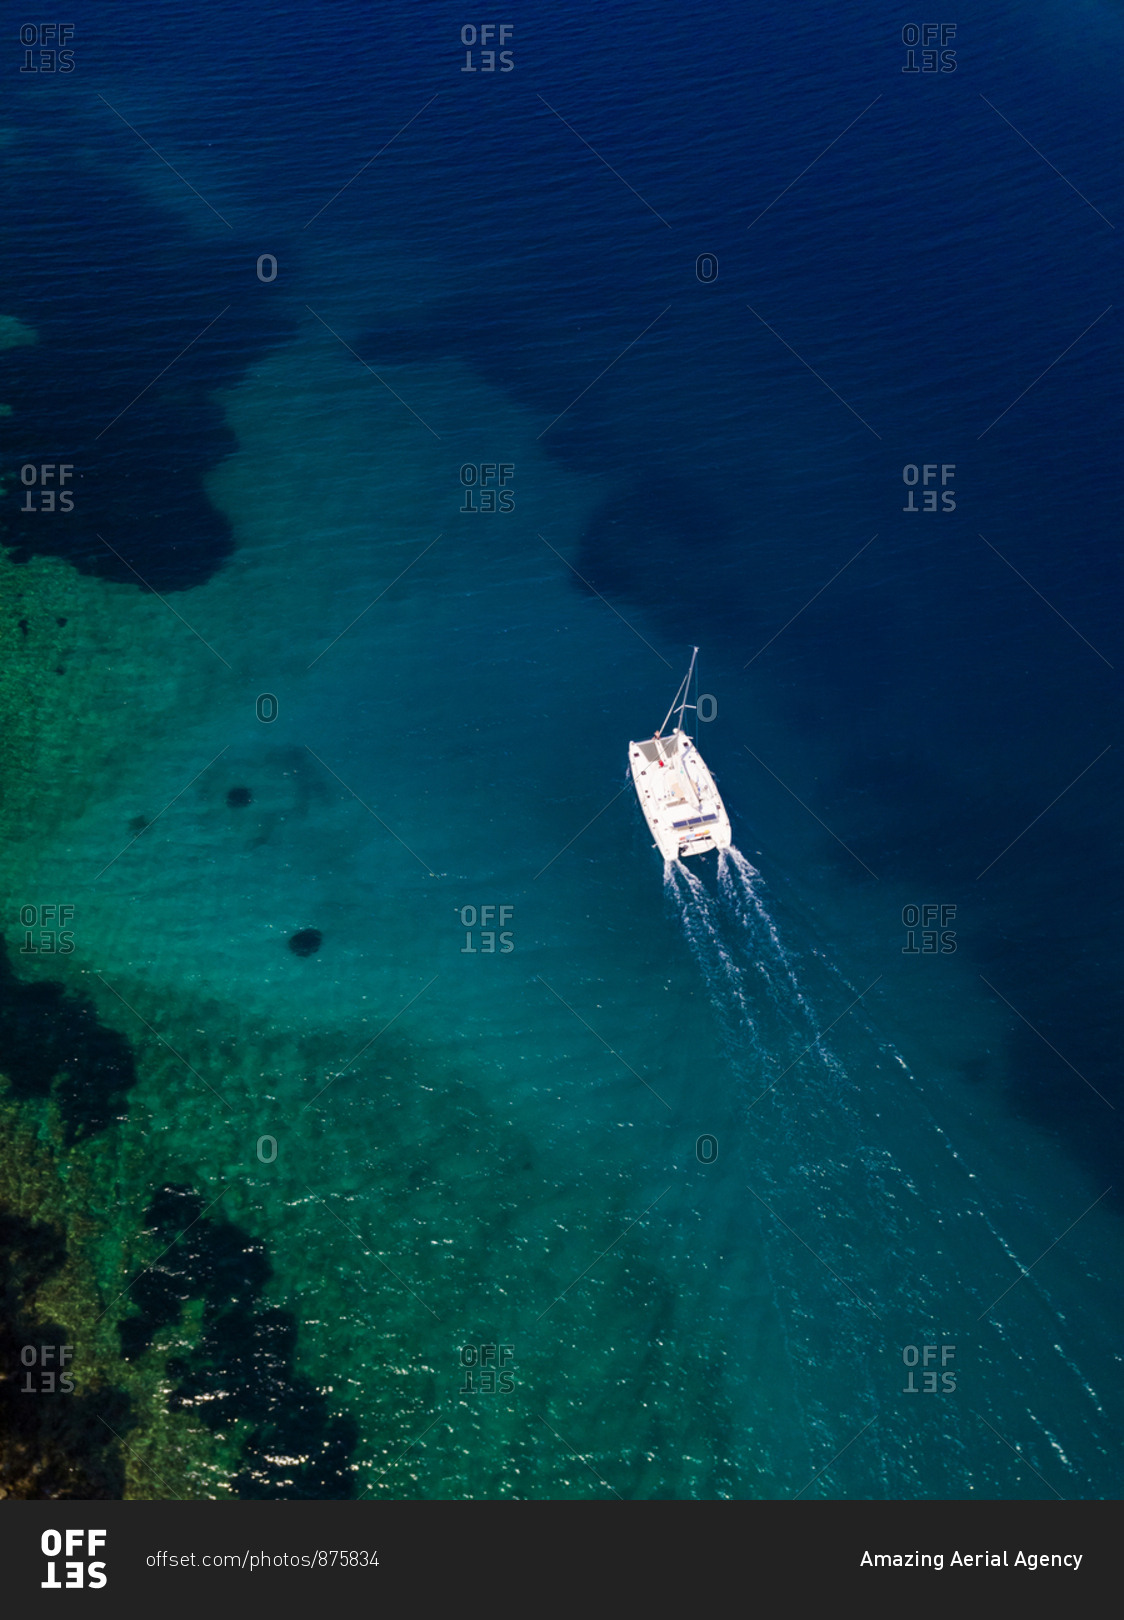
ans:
(681, 804)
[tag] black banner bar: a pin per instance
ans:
(217, 1557)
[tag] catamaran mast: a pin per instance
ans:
(687, 688)
(683, 690)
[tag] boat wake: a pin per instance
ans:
(754, 989)
(839, 1154)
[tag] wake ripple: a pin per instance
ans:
(868, 1243)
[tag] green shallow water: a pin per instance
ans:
(478, 1155)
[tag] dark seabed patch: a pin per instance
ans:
(137, 481)
(242, 1366)
(58, 1441)
(53, 1044)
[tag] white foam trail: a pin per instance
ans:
(701, 918)
(824, 1166)
(741, 885)
(748, 973)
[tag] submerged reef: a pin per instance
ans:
(53, 1044)
(84, 1407)
(241, 1368)
(57, 1439)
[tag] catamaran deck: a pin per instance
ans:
(681, 804)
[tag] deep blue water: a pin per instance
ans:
(929, 266)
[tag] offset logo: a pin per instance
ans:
(929, 36)
(79, 1569)
(37, 479)
(497, 499)
(925, 1354)
(489, 1360)
(927, 474)
(487, 34)
(40, 1376)
(487, 915)
(48, 37)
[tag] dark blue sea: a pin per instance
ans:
(423, 415)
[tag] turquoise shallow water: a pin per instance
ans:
(501, 1148)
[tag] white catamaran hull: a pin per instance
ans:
(677, 794)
